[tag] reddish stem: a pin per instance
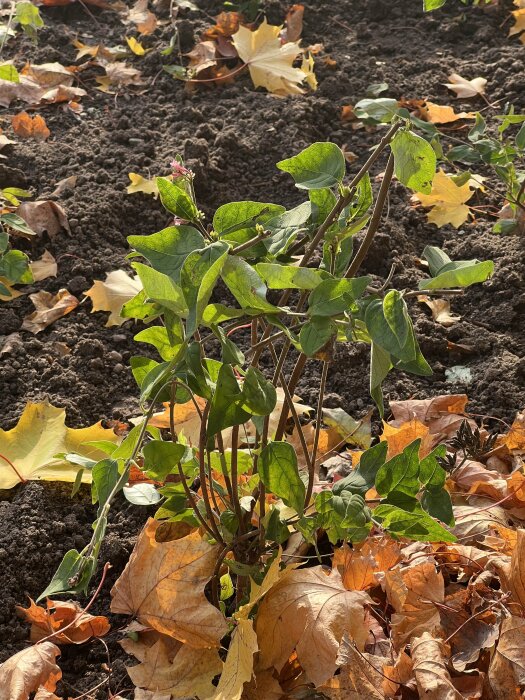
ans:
(24, 481)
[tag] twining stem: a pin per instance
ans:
(202, 472)
(374, 221)
(234, 477)
(292, 385)
(318, 421)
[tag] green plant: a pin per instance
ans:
(25, 15)
(499, 146)
(14, 265)
(292, 281)
(429, 5)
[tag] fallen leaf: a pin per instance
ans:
(99, 51)
(398, 674)
(440, 309)
(309, 611)
(118, 74)
(163, 587)
(112, 294)
(44, 216)
(507, 668)
(429, 657)
(27, 127)
(515, 438)
(58, 614)
(44, 268)
(187, 420)
(400, 437)
(144, 20)
(293, 24)
(519, 23)
(32, 668)
(141, 184)
(269, 61)
(360, 677)
(40, 434)
(226, 26)
(43, 694)
(359, 567)
(466, 88)
(68, 183)
(49, 308)
(202, 57)
(169, 667)
(442, 114)
(135, 46)
(238, 667)
(446, 200)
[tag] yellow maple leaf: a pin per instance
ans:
(269, 61)
(141, 184)
(519, 25)
(27, 452)
(447, 201)
(135, 46)
(112, 294)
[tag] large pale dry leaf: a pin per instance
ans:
(363, 567)
(429, 411)
(360, 677)
(112, 294)
(399, 437)
(466, 88)
(98, 51)
(48, 309)
(144, 20)
(442, 114)
(40, 434)
(412, 592)
(517, 571)
(43, 694)
(309, 611)
(168, 667)
(440, 309)
(58, 614)
(40, 84)
(27, 127)
(269, 61)
(515, 438)
(507, 668)
(446, 201)
(163, 587)
(44, 268)
(141, 184)
(238, 667)
(44, 216)
(429, 656)
(118, 74)
(32, 668)
(202, 57)
(472, 524)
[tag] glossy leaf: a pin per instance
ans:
(280, 474)
(318, 166)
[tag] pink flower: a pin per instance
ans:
(178, 169)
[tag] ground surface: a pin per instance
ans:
(233, 137)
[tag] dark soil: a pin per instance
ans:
(232, 137)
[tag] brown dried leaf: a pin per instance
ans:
(238, 667)
(429, 657)
(171, 668)
(44, 268)
(27, 127)
(400, 437)
(441, 114)
(112, 294)
(507, 668)
(515, 438)
(294, 24)
(117, 75)
(58, 614)
(360, 677)
(227, 24)
(67, 183)
(399, 673)
(144, 20)
(163, 587)
(44, 216)
(49, 308)
(359, 567)
(309, 611)
(25, 672)
(440, 309)
(202, 57)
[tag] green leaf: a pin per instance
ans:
(17, 223)
(214, 314)
(323, 201)
(289, 276)
(361, 479)
(400, 473)
(14, 265)
(275, 528)
(154, 379)
(140, 367)
(158, 337)
(198, 277)
(320, 165)
(227, 403)
(9, 72)
(380, 365)
(429, 5)
(334, 296)
(231, 354)
(280, 474)
(431, 473)
(454, 273)
(379, 111)
(168, 249)
(316, 333)
(68, 571)
(286, 227)
(105, 476)
(161, 289)
(414, 161)
(344, 517)
(161, 458)
(244, 461)
(415, 526)
(139, 308)
(28, 16)
(259, 393)
(246, 285)
(176, 200)
(236, 222)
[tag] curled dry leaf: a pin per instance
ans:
(58, 614)
(39, 435)
(143, 19)
(466, 88)
(44, 268)
(168, 667)
(309, 612)
(68, 183)
(441, 414)
(163, 587)
(117, 75)
(44, 216)
(442, 114)
(363, 567)
(141, 184)
(429, 658)
(269, 61)
(446, 201)
(514, 440)
(202, 57)
(49, 308)
(293, 24)
(27, 127)
(507, 668)
(440, 309)
(360, 678)
(112, 294)
(28, 671)
(41, 84)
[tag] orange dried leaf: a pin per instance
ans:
(442, 114)
(58, 614)
(515, 438)
(32, 668)
(48, 309)
(359, 567)
(400, 437)
(27, 127)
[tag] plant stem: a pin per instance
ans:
(318, 421)
(233, 472)
(22, 480)
(202, 473)
(374, 221)
(250, 243)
